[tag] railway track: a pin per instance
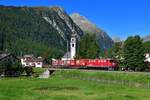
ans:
(83, 70)
(92, 70)
(71, 69)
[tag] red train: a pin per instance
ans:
(109, 64)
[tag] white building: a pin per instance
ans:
(30, 61)
(70, 55)
(73, 46)
(67, 56)
(147, 57)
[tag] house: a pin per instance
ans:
(39, 62)
(27, 60)
(7, 56)
(31, 61)
(147, 57)
(7, 61)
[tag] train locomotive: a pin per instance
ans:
(108, 64)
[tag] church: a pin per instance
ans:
(70, 55)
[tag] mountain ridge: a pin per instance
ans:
(146, 38)
(104, 41)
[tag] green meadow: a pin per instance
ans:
(77, 85)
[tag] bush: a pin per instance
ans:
(28, 70)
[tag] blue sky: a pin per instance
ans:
(119, 18)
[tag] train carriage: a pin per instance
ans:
(87, 63)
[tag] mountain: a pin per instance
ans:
(102, 37)
(147, 38)
(40, 31)
(116, 39)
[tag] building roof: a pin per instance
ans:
(28, 56)
(67, 55)
(28, 59)
(5, 55)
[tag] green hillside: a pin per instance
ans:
(25, 31)
(147, 46)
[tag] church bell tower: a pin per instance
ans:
(73, 46)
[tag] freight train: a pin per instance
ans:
(108, 64)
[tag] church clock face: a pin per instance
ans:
(72, 40)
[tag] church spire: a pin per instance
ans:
(73, 46)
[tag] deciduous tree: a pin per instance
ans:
(134, 53)
(88, 47)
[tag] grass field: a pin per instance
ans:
(38, 71)
(61, 87)
(140, 77)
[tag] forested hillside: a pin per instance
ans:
(147, 47)
(24, 30)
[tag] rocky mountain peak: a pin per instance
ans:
(77, 16)
(146, 38)
(116, 39)
(84, 23)
(102, 37)
(57, 9)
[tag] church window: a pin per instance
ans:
(72, 45)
